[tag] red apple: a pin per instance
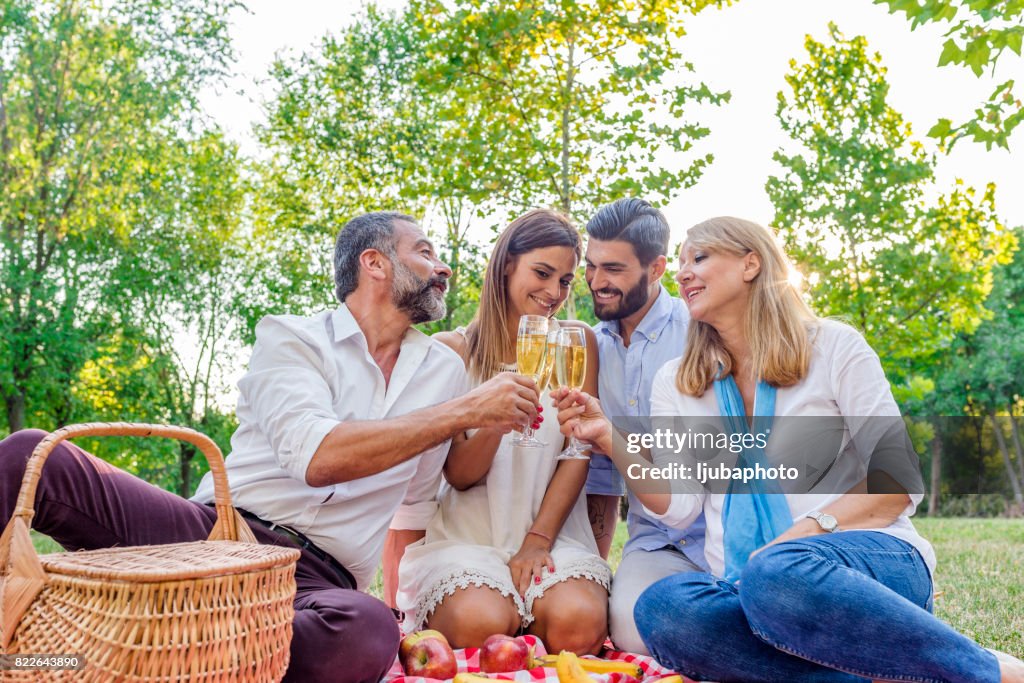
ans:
(501, 653)
(427, 654)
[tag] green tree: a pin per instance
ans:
(95, 105)
(196, 271)
(97, 115)
(566, 104)
(851, 205)
(986, 368)
(469, 110)
(980, 32)
(561, 104)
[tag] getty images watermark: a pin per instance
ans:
(668, 440)
(794, 455)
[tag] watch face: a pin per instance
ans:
(828, 522)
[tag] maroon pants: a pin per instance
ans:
(340, 634)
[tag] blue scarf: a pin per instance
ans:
(756, 512)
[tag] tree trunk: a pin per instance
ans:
(1017, 446)
(936, 486)
(15, 410)
(453, 285)
(979, 425)
(186, 453)
(1018, 497)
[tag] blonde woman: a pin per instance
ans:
(511, 547)
(809, 581)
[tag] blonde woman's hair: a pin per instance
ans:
(487, 337)
(777, 321)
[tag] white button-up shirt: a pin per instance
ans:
(306, 376)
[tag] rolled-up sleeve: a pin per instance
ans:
(287, 389)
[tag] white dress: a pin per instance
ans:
(475, 533)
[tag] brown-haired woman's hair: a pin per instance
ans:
(777, 321)
(487, 337)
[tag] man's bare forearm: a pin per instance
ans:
(361, 448)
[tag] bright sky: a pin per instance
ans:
(744, 48)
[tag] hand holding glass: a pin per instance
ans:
(571, 369)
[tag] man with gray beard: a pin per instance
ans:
(344, 423)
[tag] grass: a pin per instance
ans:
(979, 581)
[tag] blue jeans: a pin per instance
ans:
(835, 607)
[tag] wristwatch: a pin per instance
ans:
(826, 521)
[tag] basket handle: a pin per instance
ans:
(229, 526)
(21, 574)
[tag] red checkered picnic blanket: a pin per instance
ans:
(469, 661)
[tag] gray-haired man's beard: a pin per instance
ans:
(417, 297)
(630, 303)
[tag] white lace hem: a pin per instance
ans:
(591, 568)
(459, 580)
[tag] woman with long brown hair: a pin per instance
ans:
(510, 547)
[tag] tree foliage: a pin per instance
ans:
(352, 129)
(985, 370)
(983, 374)
(980, 32)
(566, 104)
(853, 206)
(343, 135)
(117, 196)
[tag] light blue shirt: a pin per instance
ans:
(624, 385)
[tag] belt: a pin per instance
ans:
(304, 543)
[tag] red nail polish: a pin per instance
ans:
(536, 579)
(540, 409)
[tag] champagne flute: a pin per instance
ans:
(548, 380)
(531, 350)
(571, 369)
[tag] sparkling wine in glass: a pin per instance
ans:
(571, 369)
(531, 350)
(548, 381)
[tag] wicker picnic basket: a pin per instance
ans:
(213, 611)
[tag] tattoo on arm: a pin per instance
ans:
(596, 512)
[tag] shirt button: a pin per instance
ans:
(632, 401)
(654, 336)
(682, 542)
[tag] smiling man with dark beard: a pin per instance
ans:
(642, 327)
(611, 304)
